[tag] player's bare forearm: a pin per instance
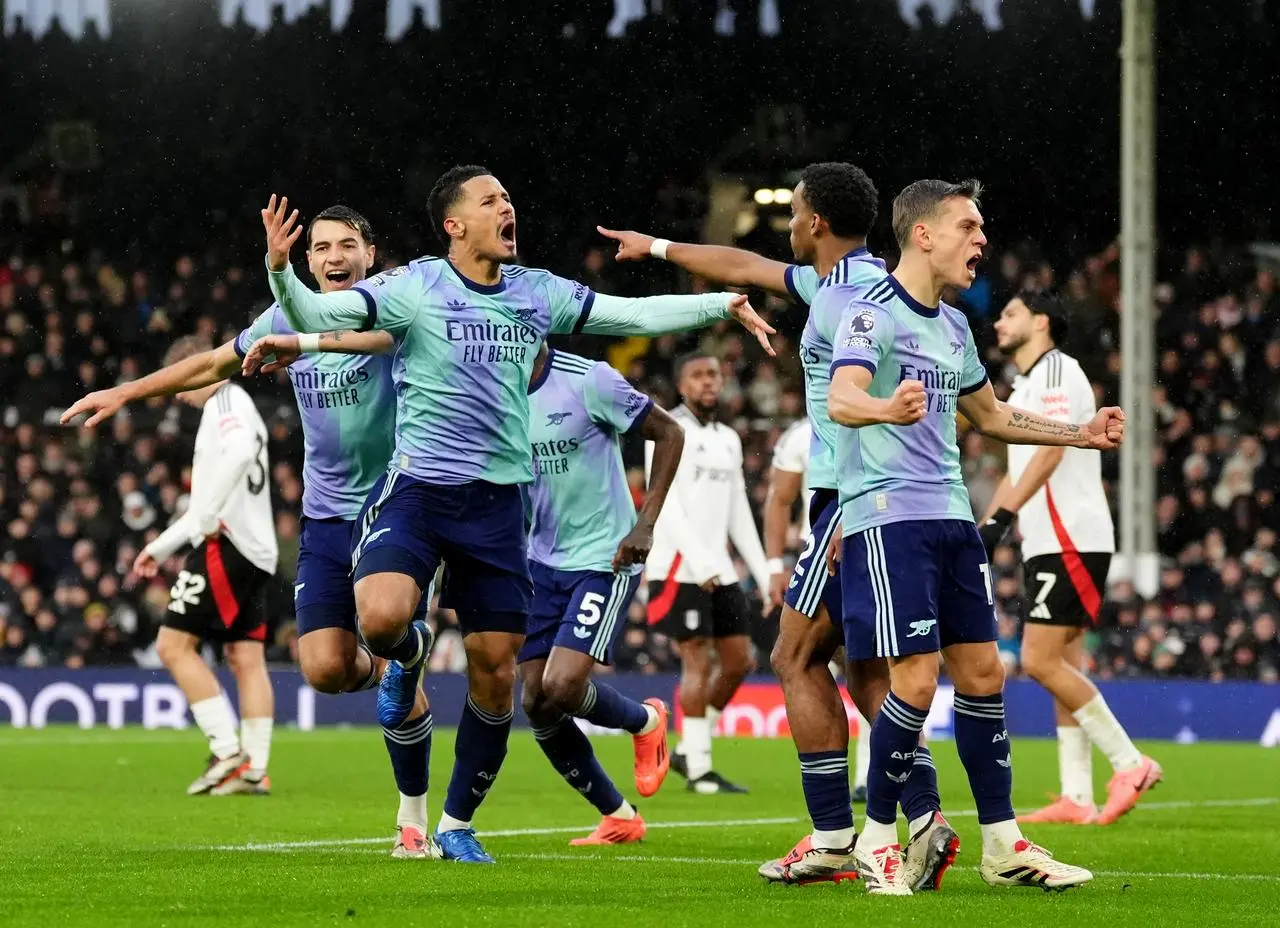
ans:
(1039, 469)
(1004, 490)
(1020, 427)
(784, 487)
(733, 266)
(199, 370)
(668, 447)
(349, 342)
(850, 405)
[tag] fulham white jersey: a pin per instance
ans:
(229, 476)
(705, 510)
(1070, 512)
(791, 454)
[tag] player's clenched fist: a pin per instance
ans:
(282, 231)
(907, 403)
(1105, 430)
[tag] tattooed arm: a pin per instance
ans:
(1017, 426)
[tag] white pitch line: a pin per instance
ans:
(725, 823)
(745, 862)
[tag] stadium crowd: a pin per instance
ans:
(75, 505)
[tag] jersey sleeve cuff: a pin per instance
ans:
(240, 344)
(583, 316)
(965, 391)
(853, 362)
(638, 422)
(371, 310)
(788, 277)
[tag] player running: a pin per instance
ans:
(346, 403)
(694, 595)
(467, 330)
(914, 573)
(585, 554)
(1057, 497)
(217, 596)
(833, 208)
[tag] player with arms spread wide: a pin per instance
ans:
(914, 573)
(1057, 497)
(346, 403)
(832, 210)
(467, 330)
(586, 551)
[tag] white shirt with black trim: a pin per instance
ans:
(705, 510)
(229, 491)
(1070, 511)
(791, 454)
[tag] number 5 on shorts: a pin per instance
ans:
(589, 613)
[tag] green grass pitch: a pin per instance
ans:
(95, 829)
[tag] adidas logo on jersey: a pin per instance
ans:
(1041, 611)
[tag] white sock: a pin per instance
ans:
(650, 725)
(449, 823)
(836, 840)
(1096, 719)
(862, 756)
(413, 811)
(1000, 838)
(626, 811)
(256, 736)
(1075, 764)
(713, 719)
(918, 824)
(214, 717)
(696, 742)
(875, 835)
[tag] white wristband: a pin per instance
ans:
(776, 566)
(308, 343)
(658, 248)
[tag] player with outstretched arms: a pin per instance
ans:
(832, 210)
(1056, 495)
(914, 572)
(217, 596)
(586, 552)
(694, 594)
(467, 329)
(346, 403)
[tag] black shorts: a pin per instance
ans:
(217, 596)
(1066, 589)
(685, 610)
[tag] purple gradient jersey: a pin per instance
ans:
(900, 473)
(347, 404)
(581, 503)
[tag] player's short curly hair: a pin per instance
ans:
(921, 201)
(843, 195)
(446, 193)
(348, 217)
(1045, 304)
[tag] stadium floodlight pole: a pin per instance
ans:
(1137, 269)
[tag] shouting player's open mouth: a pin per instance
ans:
(972, 265)
(507, 234)
(337, 276)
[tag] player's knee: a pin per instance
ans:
(916, 680)
(171, 649)
(326, 674)
(244, 657)
(564, 691)
(1038, 665)
(383, 621)
(788, 656)
(737, 662)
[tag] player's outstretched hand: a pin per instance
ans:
(633, 549)
(632, 246)
(740, 308)
(907, 404)
(282, 231)
(103, 404)
(144, 565)
(283, 350)
(1105, 431)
